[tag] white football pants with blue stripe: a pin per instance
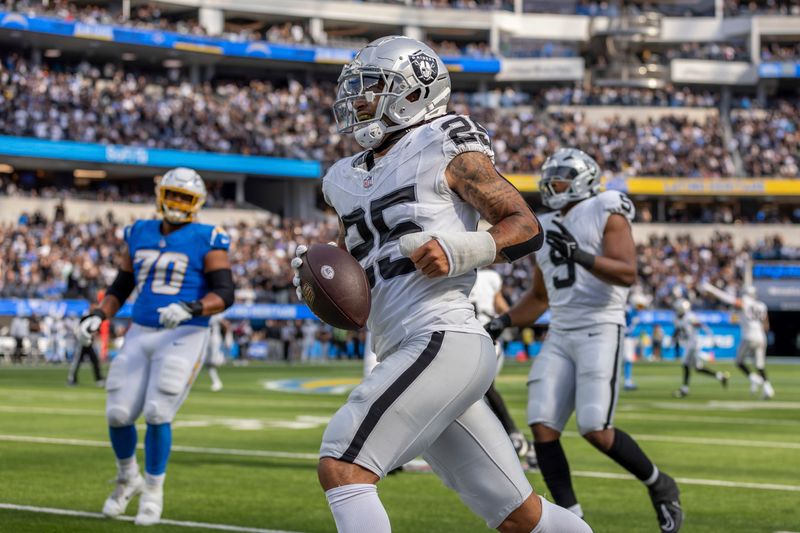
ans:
(153, 373)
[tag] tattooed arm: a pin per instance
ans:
(472, 176)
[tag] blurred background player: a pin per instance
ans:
(754, 325)
(686, 337)
(583, 274)
(487, 297)
(215, 356)
(182, 275)
(19, 330)
(85, 352)
(637, 302)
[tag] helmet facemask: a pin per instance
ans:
(582, 176)
(177, 205)
(361, 90)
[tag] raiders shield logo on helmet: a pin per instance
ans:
(425, 67)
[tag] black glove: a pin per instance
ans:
(567, 246)
(497, 325)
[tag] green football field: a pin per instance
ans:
(245, 458)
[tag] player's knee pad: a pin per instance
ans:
(591, 417)
(158, 412)
(174, 376)
(118, 416)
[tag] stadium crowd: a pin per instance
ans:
(56, 257)
(109, 104)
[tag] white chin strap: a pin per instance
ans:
(370, 135)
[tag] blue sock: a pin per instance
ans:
(123, 440)
(157, 443)
(628, 368)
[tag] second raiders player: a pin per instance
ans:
(408, 208)
(583, 274)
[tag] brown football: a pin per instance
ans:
(335, 287)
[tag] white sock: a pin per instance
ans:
(556, 519)
(356, 508)
(212, 373)
(154, 482)
(127, 468)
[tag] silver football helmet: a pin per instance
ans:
(407, 81)
(189, 195)
(572, 165)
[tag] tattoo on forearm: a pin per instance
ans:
(478, 183)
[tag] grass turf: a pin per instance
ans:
(712, 436)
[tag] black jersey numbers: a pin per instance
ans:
(387, 267)
(463, 130)
(569, 279)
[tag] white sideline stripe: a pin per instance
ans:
(164, 521)
(639, 436)
(695, 481)
(709, 441)
(313, 456)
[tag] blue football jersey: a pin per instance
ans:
(169, 268)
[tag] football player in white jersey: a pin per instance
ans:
(686, 337)
(583, 274)
(487, 297)
(409, 207)
(754, 325)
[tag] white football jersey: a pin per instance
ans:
(578, 298)
(487, 285)
(751, 319)
(403, 192)
(686, 330)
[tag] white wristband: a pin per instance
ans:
(465, 250)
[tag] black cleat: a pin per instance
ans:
(665, 496)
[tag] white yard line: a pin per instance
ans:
(709, 441)
(164, 521)
(695, 481)
(313, 457)
(727, 420)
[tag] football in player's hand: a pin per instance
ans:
(335, 287)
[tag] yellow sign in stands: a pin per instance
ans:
(684, 186)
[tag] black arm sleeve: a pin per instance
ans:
(220, 282)
(122, 287)
(518, 251)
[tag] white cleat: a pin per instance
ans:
(216, 386)
(755, 382)
(768, 393)
(124, 492)
(150, 505)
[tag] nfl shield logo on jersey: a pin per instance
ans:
(367, 182)
(425, 67)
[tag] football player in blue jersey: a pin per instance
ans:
(181, 274)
